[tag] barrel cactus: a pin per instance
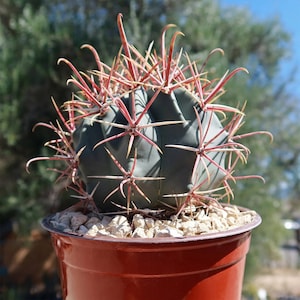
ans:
(146, 132)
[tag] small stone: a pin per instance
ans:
(217, 224)
(189, 227)
(92, 221)
(65, 219)
(139, 233)
(138, 221)
(106, 220)
(231, 221)
(150, 232)
(222, 213)
(213, 215)
(97, 230)
(82, 230)
(202, 228)
(149, 223)
(77, 220)
(190, 209)
(119, 226)
(118, 220)
(232, 210)
(200, 215)
(59, 226)
(92, 231)
(244, 219)
(103, 232)
(169, 232)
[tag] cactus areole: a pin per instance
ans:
(146, 132)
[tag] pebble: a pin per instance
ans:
(168, 232)
(192, 221)
(139, 233)
(77, 220)
(92, 221)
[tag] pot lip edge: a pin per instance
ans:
(257, 220)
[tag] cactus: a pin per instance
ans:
(147, 132)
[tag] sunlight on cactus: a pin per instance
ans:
(145, 132)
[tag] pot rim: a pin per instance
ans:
(257, 220)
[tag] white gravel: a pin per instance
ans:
(192, 221)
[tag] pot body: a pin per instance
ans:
(205, 267)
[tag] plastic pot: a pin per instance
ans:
(205, 267)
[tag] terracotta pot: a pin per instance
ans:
(205, 267)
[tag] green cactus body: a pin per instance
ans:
(145, 132)
(173, 165)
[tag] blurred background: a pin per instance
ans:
(262, 36)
